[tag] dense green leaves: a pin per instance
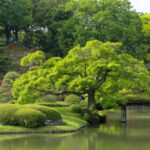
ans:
(5, 88)
(96, 71)
(104, 20)
(15, 15)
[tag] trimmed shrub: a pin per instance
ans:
(27, 115)
(12, 102)
(72, 99)
(7, 112)
(51, 114)
(9, 78)
(47, 98)
(53, 105)
(79, 108)
(7, 83)
(30, 118)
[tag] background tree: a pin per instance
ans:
(15, 15)
(47, 17)
(84, 71)
(4, 62)
(143, 50)
(104, 20)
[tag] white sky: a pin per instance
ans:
(141, 5)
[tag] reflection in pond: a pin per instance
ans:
(110, 130)
(111, 136)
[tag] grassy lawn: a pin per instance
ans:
(72, 122)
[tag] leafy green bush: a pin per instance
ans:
(93, 116)
(47, 98)
(7, 83)
(27, 115)
(9, 78)
(5, 96)
(53, 105)
(7, 112)
(12, 102)
(79, 108)
(76, 108)
(72, 99)
(51, 114)
(30, 118)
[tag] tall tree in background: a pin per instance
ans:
(15, 15)
(105, 20)
(143, 50)
(47, 15)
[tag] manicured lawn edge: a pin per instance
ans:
(73, 124)
(45, 132)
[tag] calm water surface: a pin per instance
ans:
(135, 135)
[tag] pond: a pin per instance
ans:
(135, 135)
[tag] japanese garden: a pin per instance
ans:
(74, 74)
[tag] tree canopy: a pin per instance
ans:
(15, 15)
(143, 50)
(103, 20)
(92, 70)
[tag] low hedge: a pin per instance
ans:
(27, 115)
(51, 114)
(30, 118)
(7, 112)
(72, 99)
(53, 105)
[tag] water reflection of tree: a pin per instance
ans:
(34, 142)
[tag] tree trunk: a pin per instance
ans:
(7, 33)
(91, 98)
(16, 34)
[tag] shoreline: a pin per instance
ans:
(44, 132)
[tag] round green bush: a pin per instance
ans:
(72, 99)
(10, 77)
(79, 108)
(12, 102)
(7, 112)
(30, 118)
(5, 89)
(51, 114)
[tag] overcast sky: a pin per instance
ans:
(141, 5)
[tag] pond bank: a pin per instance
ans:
(73, 124)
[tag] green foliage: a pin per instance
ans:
(93, 116)
(27, 115)
(47, 98)
(33, 59)
(51, 114)
(7, 83)
(53, 104)
(5, 96)
(143, 50)
(4, 62)
(12, 102)
(96, 70)
(146, 25)
(30, 118)
(104, 20)
(79, 108)
(15, 15)
(7, 113)
(49, 19)
(9, 78)
(72, 99)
